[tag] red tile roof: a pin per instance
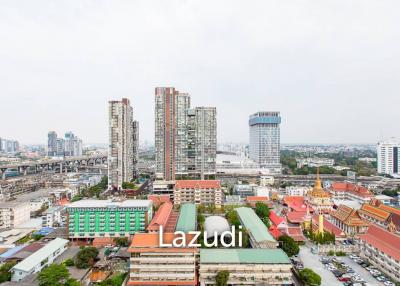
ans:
(159, 199)
(383, 240)
(275, 219)
(328, 226)
(296, 233)
(150, 242)
(161, 217)
(273, 230)
(296, 203)
(351, 188)
(198, 184)
(295, 217)
(103, 241)
(256, 199)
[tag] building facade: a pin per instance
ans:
(265, 140)
(70, 145)
(8, 146)
(52, 144)
(246, 266)
(388, 157)
(104, 218)
(39, 259)
(185, 138)
(205, 192)
(152, 264)
(123, 135)
(13, 214)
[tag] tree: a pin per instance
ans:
(309, 277)
(86, 257)
(262, 210)
(54, 275)
(5, 274)
(222, 278)
(288, 245)
(233, 218)
(115, 280)
(128, 185)
(69, 262)
(121, 241)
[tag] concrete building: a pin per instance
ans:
(187, 220)
(164, 188)
(202, 142)
(265, 140)
(296, 191)
(73, 145)
(54, 217)
(170, 132)
(8, 146)
(205, 192)
(389, 157)
(39, 259)
(246, 266)
(349, 191)
(267, 181)
(381, 248)
(52, 144)
(152, 264)
(244, 190)
(185, 138)
(314, 162)
(258, 232)
(123, 135)
(105, 218)
(13, 214)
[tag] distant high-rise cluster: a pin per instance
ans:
(70, 145)
(185, 138)
(8, 146)
(389, 157)
(265, 140)
(123, 143)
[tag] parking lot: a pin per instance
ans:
(311, 261)
(351, 271)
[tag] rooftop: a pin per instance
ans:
(152, 240)
(254, 224)
(351, 188)
(383, 240)
(27, 264)
(109, 204)
(242, 256)
(161, 217)
(198, 184)
(187, 218)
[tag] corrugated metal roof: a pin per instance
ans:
(31, 261)
(242, 256)
(187, 218)
(254, 224)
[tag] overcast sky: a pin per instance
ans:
(330, 67)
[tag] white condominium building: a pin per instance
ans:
(265, 140)
(122, 156)
(388, 157)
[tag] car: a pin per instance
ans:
(344, 279)
(388, 283)
(381, 278)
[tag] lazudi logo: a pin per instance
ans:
(226, 238)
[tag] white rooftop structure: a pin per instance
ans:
(110, 204)
(39, 259)
(216, 224)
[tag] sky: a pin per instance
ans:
(332, 67)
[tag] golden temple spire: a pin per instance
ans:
(318, 184)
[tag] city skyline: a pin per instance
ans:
(330, 64)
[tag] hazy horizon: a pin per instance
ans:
(329, 67)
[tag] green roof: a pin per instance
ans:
(187, 218)
(253, 224)
(243, 255)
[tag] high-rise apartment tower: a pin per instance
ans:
(388, 153)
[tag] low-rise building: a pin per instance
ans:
(152, 264)
(349, 191)
(54, 217)
(296, 191)
(246, 266)
(258, 232)
(106, 218)
(348, 220)
(160, 218)
(244, 190)
(205, 192)
(164, 188)
(267, 181)
(187, 220)
(381, 248)
(382, 215)
(39, 259)
(13, 214)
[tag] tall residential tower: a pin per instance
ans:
(265, 140)
(389, 157)
(185, 139)
(122, 147)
